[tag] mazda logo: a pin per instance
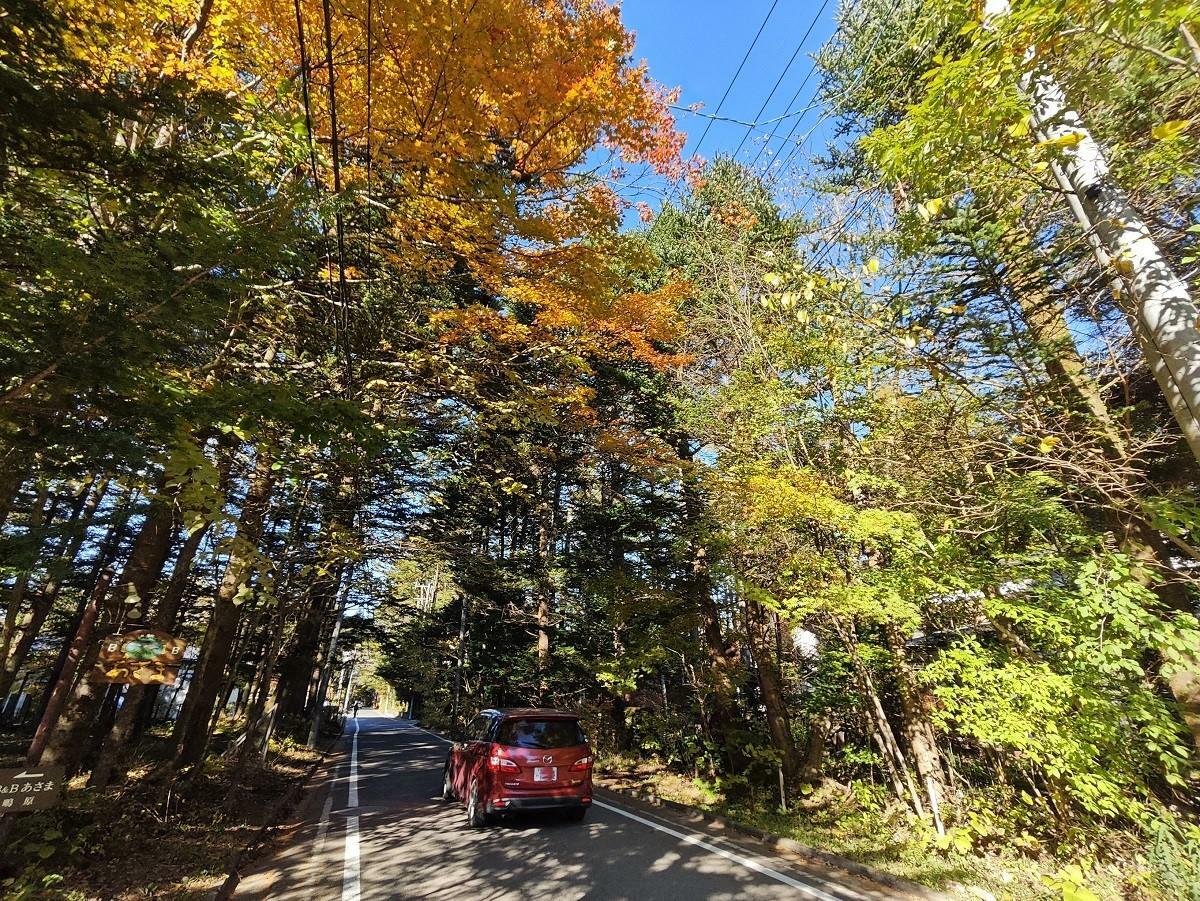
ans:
(547, 759)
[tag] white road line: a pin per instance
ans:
(350, 881)
(350, 863)
(324, 825)
(746, 862)
(434, 734)
(352, 794)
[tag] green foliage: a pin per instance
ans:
(1173, 859)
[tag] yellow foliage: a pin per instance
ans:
(1069, 139)
(1170, 130)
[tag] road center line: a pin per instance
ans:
(350, 863)
(746, 862)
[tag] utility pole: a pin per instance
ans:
(1162, 309)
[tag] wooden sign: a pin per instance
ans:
(31, 788)
(141, 657)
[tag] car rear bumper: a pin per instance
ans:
(545, 802)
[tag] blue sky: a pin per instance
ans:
(697, 45)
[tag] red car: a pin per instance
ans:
(514, 760)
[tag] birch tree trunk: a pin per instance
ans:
(1163, 309)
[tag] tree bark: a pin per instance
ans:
(43, 603)
(191, 732)
(259, 721)
(915, 724)
(697, 589)
(38, 513)
(1165, 313)
(547, 543)
(141, 571)
(105, 557)
(57, 699)
(812, 762)
(13, 472)
(770, 684)
(1143, 544)
(893, 756)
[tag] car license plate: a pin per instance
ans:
(545, 774)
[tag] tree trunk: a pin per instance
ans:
(59, 693)
(105, 557)
(148, 555)
(241, 639)
(331, 658)
(697, 590)
(1166, 315)
(258, 720)
(170, 604)
(42, 504)
(1136, 538)
(918, 731)
(191, 732)
(812, 762)
(141, 571)
(547, 520)
(13, 472)
(770, 684)
(885, 736)
(43, 603)
(295, 672)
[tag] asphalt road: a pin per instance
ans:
(375, 828)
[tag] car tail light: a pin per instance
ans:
(498, 764)
(583, 764)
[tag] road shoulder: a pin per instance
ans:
(831, 867)
(293, 851)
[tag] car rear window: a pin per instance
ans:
(532, 733)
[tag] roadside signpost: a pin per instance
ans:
(30, 788)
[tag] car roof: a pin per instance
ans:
(509, 713)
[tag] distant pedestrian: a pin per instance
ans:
(357, 704)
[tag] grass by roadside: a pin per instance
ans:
(145, 839)
(884, 839)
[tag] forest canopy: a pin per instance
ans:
(330, 344)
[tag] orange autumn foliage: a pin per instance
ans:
(482, 113)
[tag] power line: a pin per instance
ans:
(828, 113)
(733, 80)
(786, 69)
(724, 97)
(813, 102)
(795, 97)
(811, 105)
